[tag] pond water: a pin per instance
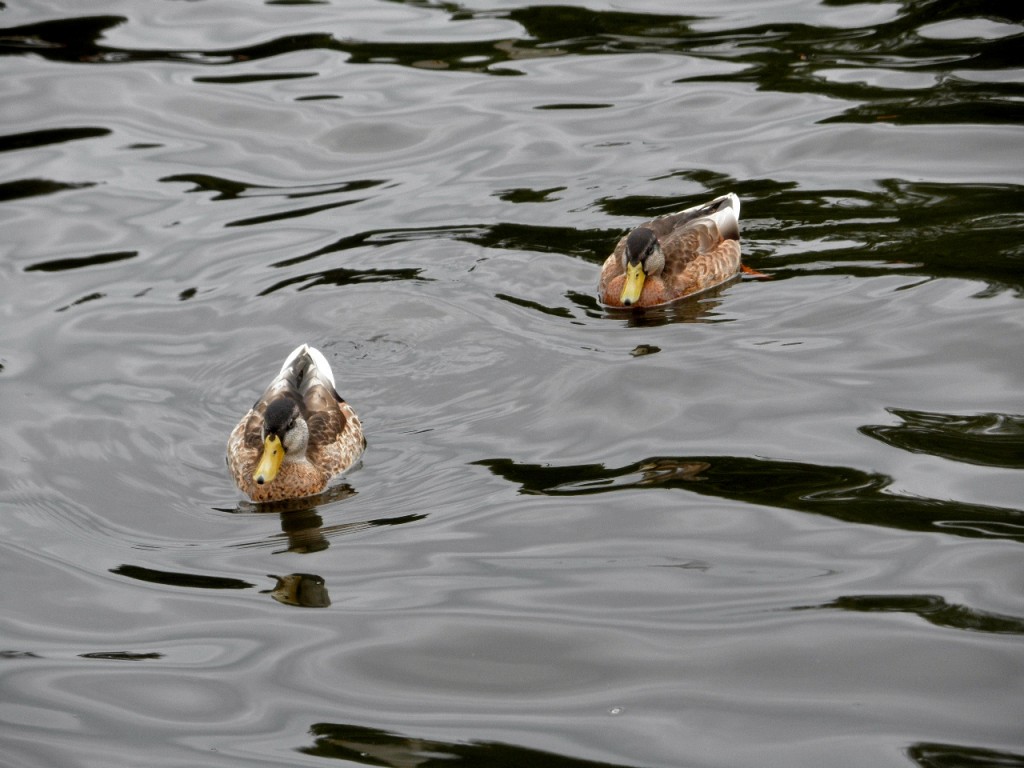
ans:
(779, 525)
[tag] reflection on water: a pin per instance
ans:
(937, 230)
(302, 589)
(987, 439)
(42, 138)
(302, 524)
(370, 746)
(227, 189)
(843, 493)
(294, 589)
(186, 580)
(121, 656)
(304, 530)
(932, 608)
(332, 494)
(936, 755)
(59, 265)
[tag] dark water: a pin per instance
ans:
(782, 526)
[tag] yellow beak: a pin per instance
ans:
(634, 284)
(270, 462)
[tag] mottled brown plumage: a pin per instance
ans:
(302, 418)
(674, 256)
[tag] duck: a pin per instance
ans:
(673, 256)
(298, 435)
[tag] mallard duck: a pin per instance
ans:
(674, 256)
(298, 435)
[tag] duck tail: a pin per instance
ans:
(306, 362)
(732, 202)
(323, 368)
(724, 211)
(726, 215)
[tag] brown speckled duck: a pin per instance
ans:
(298, 435)
(675, 255)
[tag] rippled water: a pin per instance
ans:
(778, 526)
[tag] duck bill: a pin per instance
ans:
(634, 284)
(270, 462)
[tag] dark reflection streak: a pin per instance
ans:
(175, 579)
(553, 311)
(932, 608)
(842, 493)
(229, 189)
(588, 302)
(226, 189)
(987, 439)
(935, 755)
(260, 78)
(62, 265)
(951, 107)
(49, 136)
(313, 538)
(89, 297)
(371, 746)
(359, 240)
(594, 244)
(22, 188)
(342, 276)
(73, 39)
(598, 30)
(121, 656)
(291, 214)
(518, 237)
(570, 105)
(528, 195)
(302, 525)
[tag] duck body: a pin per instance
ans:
(674, 256)
(298, 435)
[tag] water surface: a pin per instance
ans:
(781, 525)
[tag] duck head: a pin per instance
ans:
(284, 436)
(641, 258)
